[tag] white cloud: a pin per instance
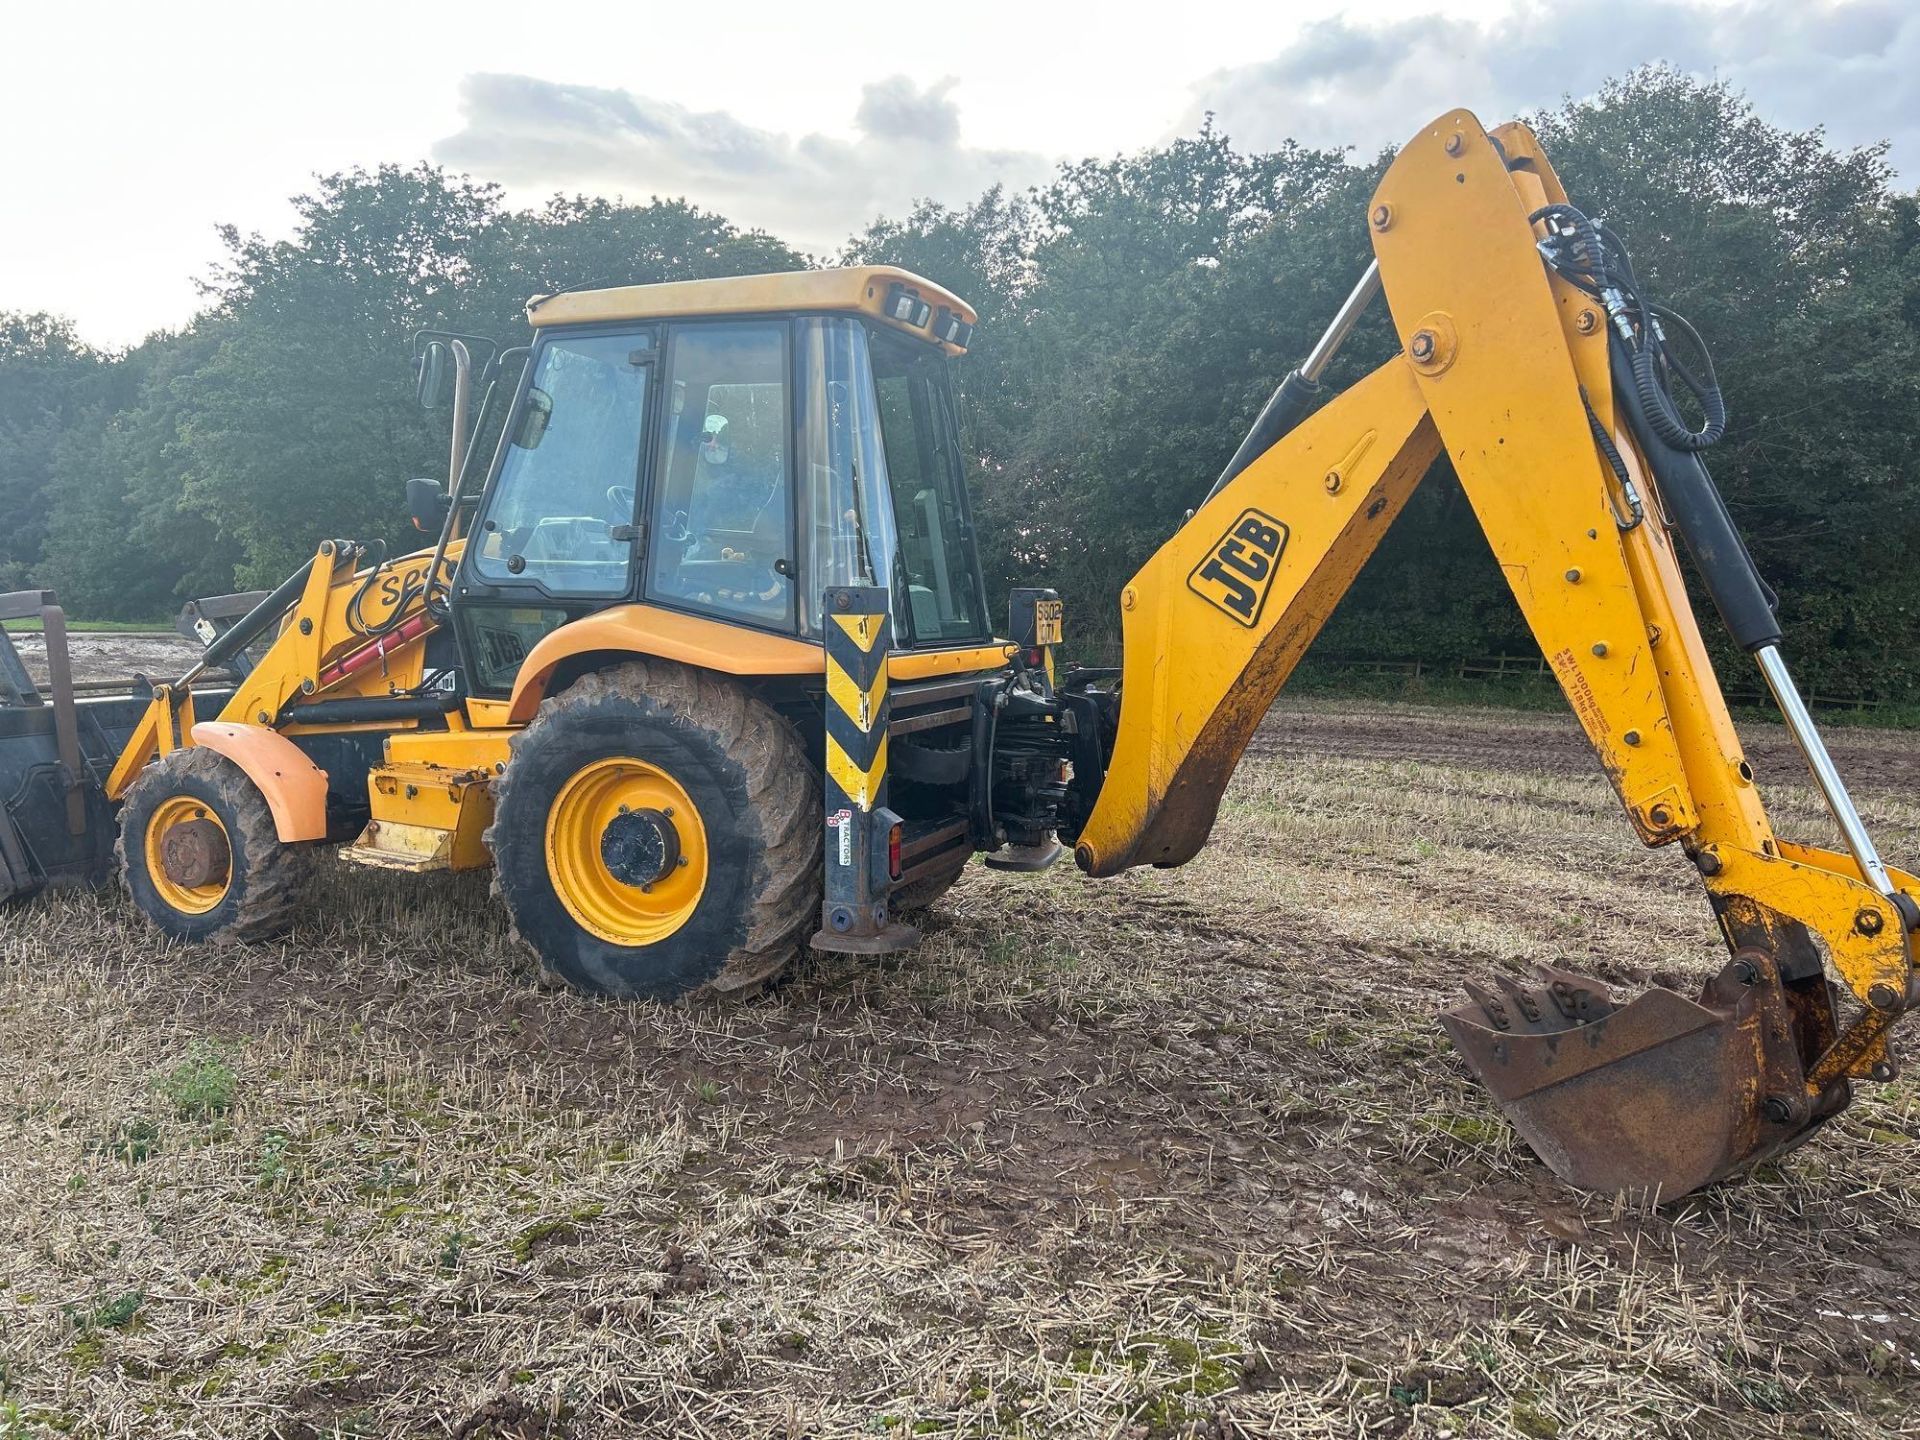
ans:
(1849, 65)
(811, 189)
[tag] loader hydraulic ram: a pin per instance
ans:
(1534, 362)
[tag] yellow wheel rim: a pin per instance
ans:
(200, 888)
(626, 851)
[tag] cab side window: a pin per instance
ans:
(721, 529)
(569, 471)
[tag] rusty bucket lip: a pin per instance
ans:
(1657, 1097)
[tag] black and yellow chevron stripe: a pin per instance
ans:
(858, 706)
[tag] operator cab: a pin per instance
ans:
(727, 449)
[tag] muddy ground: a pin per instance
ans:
(1178, 1153)
(102, 656)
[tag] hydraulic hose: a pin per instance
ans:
(1699, 513)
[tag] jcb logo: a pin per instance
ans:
(1238, 572)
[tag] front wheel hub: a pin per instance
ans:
(188, 856)
(640, 847)
(194, 853)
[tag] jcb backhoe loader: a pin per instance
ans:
(702, 661)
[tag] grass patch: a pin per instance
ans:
(202, 1086)
(96, 627)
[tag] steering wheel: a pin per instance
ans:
(620, 498)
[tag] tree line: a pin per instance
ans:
(1135, 313)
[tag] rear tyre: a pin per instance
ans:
(657, 835)
(199, 854)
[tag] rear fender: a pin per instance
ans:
(642, 632)
(294, 788)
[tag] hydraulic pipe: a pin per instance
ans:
(1700, 515)
(409, 629)
(1289, 404)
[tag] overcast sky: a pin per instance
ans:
(128, 132)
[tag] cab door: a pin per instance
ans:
(557, 530)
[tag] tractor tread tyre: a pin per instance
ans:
(758, 795)
(268, 878)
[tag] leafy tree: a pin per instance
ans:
(1798, 263)
(1135, 313)
(50, 381)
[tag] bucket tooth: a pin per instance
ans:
(1658, 1096)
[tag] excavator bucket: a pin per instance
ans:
(1656, 1097)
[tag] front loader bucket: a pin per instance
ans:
(1656, 1097)
(56, 826)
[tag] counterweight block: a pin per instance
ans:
(1656, 1097)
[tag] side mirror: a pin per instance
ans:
(531, 428)
(431, 366)
(426, 505)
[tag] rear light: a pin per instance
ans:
(1036, 657)
(893, 852)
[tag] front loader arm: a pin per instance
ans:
(1506, 364)
(345, 631)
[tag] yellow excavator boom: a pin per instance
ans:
(1522, 370)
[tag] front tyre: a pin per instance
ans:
(199, 854)
(657, 834)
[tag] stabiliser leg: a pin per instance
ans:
(858, 635)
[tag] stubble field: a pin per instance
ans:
(1178, 1153)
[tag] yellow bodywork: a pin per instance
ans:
(319, 630)
(1216, 620)
(708, 644)
(853, 290)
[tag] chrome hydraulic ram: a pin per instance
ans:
(1832, 788)
(1289, 404)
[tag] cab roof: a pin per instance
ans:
(855, 290)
